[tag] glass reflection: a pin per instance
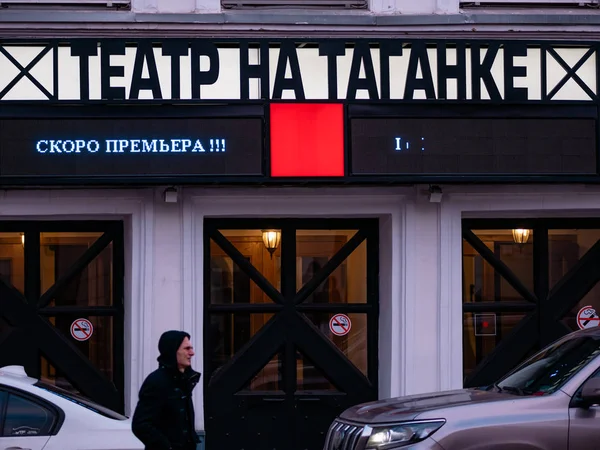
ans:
(309, 377)
(482, 332)
(25, 418)
(99, 348)
(482, 283)
(92, 286)
(229, 332)
(354, 344)
(12, 260)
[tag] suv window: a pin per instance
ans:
(549, 369)
(25, 417)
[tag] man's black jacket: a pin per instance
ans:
(164, 416)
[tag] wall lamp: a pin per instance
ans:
(435, 194)
(521, 235)
(271, 239)
(170, 195)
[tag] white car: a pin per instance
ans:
(39, 416)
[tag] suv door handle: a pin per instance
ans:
(16, 448)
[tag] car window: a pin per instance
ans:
(549, 369)
(577, 395)
(3, 396)
(25, 417)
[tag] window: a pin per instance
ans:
(2, 403)
(298, 4)
(552, 367)
(526, 282)
(76, 275)
(532, 3)
(27, 418)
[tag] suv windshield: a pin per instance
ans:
(81, 401)
(548, 370)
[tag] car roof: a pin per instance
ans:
(16, 376)
(594, 332)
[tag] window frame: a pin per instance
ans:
(109, 393)
(106, 4)
(337, 5)
(517, 3)
(6, 391)
(540, 332)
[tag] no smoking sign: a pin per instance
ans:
(82, 329)
(340, 324)
(587, 317)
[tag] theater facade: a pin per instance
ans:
(332, 220)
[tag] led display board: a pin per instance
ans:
(146, 147)
(473, 145)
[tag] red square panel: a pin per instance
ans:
(307, 140)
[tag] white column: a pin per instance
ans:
(167, 276)
(422, 310)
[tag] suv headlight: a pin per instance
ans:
(407, 433)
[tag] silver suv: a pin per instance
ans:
(549, 402)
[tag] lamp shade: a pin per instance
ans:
(521, 235)
(271, 239)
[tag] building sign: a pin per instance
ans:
(489, 142)
(323, 110)
(145, 147)
(269, 69)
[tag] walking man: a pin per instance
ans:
(164, 416)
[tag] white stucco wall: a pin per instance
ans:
(179, 6)
(421, 263)
(375, 6)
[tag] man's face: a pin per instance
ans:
(184, 354)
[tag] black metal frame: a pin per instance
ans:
(30, 310)
(373, 107)
(544, 307)
(288, 327)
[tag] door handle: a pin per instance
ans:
(16, 448)
(267, 399)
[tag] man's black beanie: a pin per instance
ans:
(168, 344)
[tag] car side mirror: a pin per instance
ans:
(590, 393)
